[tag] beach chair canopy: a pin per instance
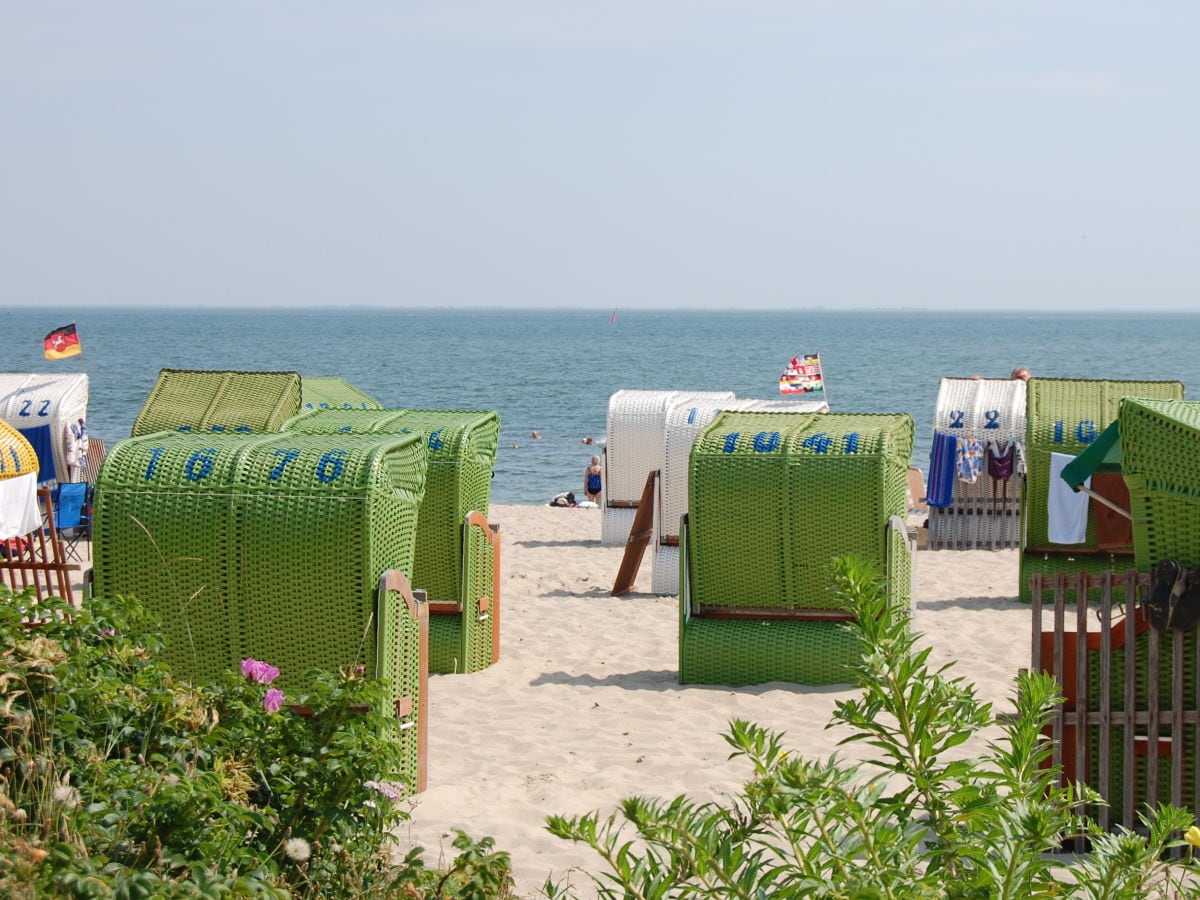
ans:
(634, 443)
(774, 498)
(217, 401)
(1067, 416)
(456, 554)
(461, 451)
(263, 546)
(333, 393)
(50, 411)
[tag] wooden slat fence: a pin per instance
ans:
(1130, 725)
(38, 559)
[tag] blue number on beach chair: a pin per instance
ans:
(993, 418)
(155, 453)
(731, 441)
(1058, 432)
(330, 466)
(288, 455)
(199, 464)
(1085, 431)
(435, 442)
(850, 443)
(956, 419)
(819, 442)
(766, 441)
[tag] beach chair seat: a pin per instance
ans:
(774, 500)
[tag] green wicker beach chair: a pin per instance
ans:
(457, 553)
(270, 547)
(1065, 416)
(774, 499)
(334, 393)
(1160, 461)
(244, 402)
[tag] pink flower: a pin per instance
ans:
(273, 701)
(260, 672)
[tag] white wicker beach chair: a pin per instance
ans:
(986, 514)
(683, 421)
(634, 447)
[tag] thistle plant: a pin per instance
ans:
(917, 818)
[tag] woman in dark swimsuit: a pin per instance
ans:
(592, 481)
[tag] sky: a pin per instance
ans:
(761, 154)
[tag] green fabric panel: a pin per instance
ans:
(1105, 452)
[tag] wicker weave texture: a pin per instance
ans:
(400, 636)
(1064, 416)
(267, 546)
(17, 456)
(28, 400)
(739, 651)
(461, 448)
(635, 446)
(985, 514)
(986, 409)
(775, 498)
(467, 640)
(216, 401)
(1049, 565)
(334, 393)
(1161, 467)
(684, 420)
(1160, 441)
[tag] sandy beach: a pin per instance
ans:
(584, 707)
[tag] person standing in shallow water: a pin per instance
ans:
(592, 482)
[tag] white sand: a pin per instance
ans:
(584, 707)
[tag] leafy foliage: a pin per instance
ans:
(917, 820)
(118, 780)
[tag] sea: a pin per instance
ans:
(552, 371)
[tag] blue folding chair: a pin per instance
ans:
(72, 516)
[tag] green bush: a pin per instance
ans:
(118, 780)
(922, 824)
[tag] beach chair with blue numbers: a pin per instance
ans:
(774, 499)
(983, 513)
(457, 562)
(289, 548)
(1064, 417)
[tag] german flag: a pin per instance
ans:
(63, 342)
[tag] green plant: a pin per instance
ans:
(914, 821)
(118, 780)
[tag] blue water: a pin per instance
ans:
(554, 371)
